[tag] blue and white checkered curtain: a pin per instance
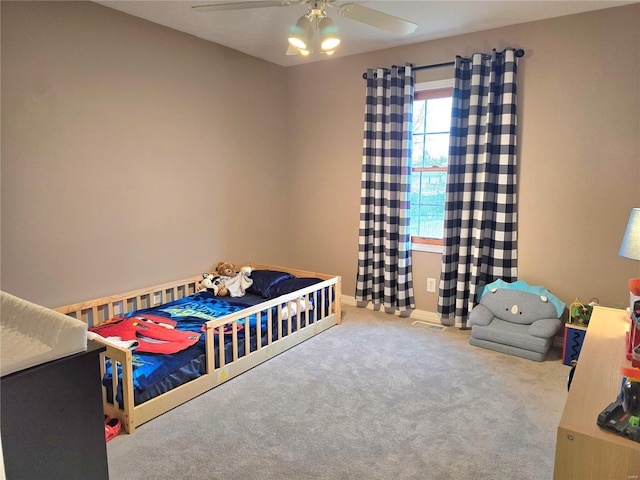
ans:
(480, 236)
(384, 253)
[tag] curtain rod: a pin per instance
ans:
(519, 54)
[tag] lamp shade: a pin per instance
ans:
(630, 247)
(329, 39)
(302, 33)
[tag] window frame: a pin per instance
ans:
(425, 244)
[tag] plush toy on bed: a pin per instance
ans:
(214, 284)
(226, 269)
(235, 283)
(217, 283)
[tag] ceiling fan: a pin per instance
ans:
(301, 38)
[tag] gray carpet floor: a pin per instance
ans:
(374, 398)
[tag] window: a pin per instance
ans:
(431, 123)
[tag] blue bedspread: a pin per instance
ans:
(154, 374)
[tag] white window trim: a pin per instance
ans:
(425, 247)
(432, 85)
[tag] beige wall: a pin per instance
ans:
(579, 137)
(132, 154)
(112, 125)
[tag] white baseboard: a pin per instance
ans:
(430, 317)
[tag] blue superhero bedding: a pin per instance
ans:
(156, 373)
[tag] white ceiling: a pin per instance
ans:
(263, 32)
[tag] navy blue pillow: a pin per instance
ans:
(290, 285)
(264, 279)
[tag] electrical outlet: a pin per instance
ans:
(431, 284)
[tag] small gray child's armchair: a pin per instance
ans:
(517, 319)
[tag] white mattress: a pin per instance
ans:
(31, 334)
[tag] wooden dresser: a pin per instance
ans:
(583, 450)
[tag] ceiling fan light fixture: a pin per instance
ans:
(330, 44)
(302, 33)
(302, 39)
(329, 39)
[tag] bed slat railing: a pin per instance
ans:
(269, 326)
(118, 359)
(221, 358)
(100, 310)
(209, 348)
(293, 304)
(234, 339)
(259, 329)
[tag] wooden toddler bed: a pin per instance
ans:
(287, 314)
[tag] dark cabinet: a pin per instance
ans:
(52, 420)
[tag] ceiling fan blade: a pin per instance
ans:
(292, 50)
(243, 5)
(377, 19)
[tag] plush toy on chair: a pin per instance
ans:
(516, 318)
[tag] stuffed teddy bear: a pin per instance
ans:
(231, 282)
(236, 283)
(217, 283)
(226, 269)
(213, 283)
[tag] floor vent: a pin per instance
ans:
(429, 326)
